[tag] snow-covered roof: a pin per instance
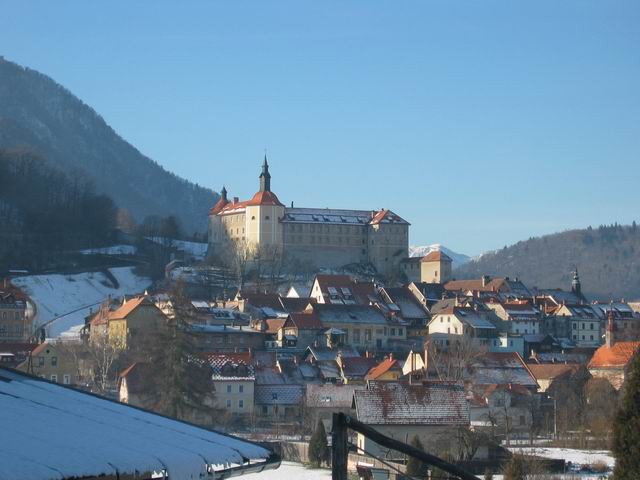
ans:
(50, 431)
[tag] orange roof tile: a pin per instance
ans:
(128, 307)
(382, 368)
(436, 256)
(618, 356)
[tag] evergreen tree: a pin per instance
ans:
(416, 467)
(626, 428)
(318, 447)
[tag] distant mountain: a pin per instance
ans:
(38, 113)
(607, 258)
(459, 259)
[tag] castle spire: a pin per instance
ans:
(265, 176)
(223, 193)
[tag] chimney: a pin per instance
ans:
(391, 356)
(611, 327)
(485, 280)
(236, 200)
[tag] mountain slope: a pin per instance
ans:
(37, 112)
(608, 259)
(459, 259)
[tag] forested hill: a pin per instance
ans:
(608, 260)
(38, 113)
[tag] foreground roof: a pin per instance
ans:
(432, 403)
(56, 432)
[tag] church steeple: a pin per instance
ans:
(223, 194)
(265, 176)
(576, 287)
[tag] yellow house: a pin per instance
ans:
(53, 363)
(127, 325)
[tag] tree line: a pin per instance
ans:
(44, 211)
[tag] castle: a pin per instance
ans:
(319, 237)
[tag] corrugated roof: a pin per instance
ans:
(431, 403)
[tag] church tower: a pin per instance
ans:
(576, 287)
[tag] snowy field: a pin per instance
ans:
(196, 249)
(290, 470)
(296, 471)
(75, 295)
(580, 457)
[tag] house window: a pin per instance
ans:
(241, 389)
(367, 335)
(266, 217)
(66, 379)
(228, 388)
(400, 332)
(54, 378)
(228, 403)
(356, 335)
(240, 403)
(41, 361)
(393, 332)
(522, 421)
(265, 409)
(54, 361)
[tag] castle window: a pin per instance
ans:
(266, 217)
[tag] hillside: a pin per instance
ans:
(608, 259)
(38, 113)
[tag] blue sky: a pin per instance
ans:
(480, 122)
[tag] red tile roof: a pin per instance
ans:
(265, 198)
(305, 321)
(382, 368)
(386, 216)
(129, 306)
(394, 403)
(436, 256)
(219, 206)
(550, 371)
(274, 324)
(618, 356)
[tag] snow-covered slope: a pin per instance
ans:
(458, 258)
(75, 295)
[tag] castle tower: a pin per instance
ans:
(435, 267)
(265, 177)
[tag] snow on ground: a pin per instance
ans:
(196, 249)
(111, 250)
(581, 457)
(75, 295)
(290, 470)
